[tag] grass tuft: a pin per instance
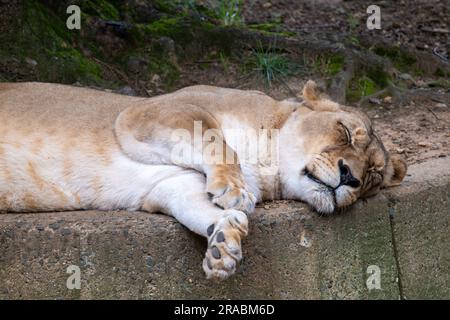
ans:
(270, 64)
(228, 11)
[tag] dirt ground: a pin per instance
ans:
(418, 126)
(419, 130)
(420, 24)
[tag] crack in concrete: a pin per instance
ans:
(391, 206)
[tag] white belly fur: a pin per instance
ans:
(54, 179)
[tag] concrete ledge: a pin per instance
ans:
(291, 252)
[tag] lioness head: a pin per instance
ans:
(331, 156)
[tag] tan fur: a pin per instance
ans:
(66, 148)
(80, 120)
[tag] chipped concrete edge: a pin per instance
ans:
(291, 252)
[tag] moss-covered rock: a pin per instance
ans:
(336, 64)
(401, 59)
(360, 87)
(367, 80)
(41, 35)
(101, 8)
(271, 28)
(326, 65)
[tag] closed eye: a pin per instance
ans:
(348, 136)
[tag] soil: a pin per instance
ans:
(419, 130)
(423, 25)
(418, 127)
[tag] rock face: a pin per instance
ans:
(290, 253)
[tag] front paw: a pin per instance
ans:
(224, 245)
(231, 194)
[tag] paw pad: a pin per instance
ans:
(224, 245)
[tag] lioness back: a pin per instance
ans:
(59, 148)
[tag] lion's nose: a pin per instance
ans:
(347, 178)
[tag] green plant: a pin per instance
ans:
(366, 86)
(401, 59)
(360, 87)
(187, 5)
(442, 83)
(224, 62)
(229, 12)
(100, 8)
(354, 40)
(353, 22)
(271, 28)
(324, 65)
(270, 64)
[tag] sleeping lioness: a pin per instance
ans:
(204, 155)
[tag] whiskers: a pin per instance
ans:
(322, 169)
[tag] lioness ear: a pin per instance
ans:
(311, 94)
(310, 91)
(360, 137)
(395, 171)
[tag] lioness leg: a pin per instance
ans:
(155, 134)
(183, 197)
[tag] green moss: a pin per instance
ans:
(42, 35)
(167, 71)
(378, 75)
(353, 22)
(101, 8)
(168, 6)
(157, 61)
(442, 83)
(185, 31)
(270, 28)
(402, 60)
(417, 72)
(361, 87)
(368, 80)
(165, 27)
(41, 24)
(224, 62)
(69, 66)
(181, 29)
(439, 73)
(336, 64)
(353, 40)
(324, 64)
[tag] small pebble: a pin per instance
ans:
(375, 101)
(31, 62)
(65, 232)
(423, 144)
